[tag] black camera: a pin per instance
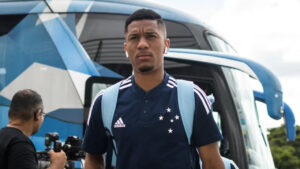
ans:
(49, 138)
(43, 156)
(71, 146)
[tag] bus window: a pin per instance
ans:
(92, 87)
(220, 45)
(265, 120)
(217, 119)
(102, 37)
(97, 87)
(259, 155)
(261, 108)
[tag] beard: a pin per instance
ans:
(146, 69)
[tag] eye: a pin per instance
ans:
(151, 36)
(133, 37)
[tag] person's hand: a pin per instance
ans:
(57, 159)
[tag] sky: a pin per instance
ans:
(266, 31)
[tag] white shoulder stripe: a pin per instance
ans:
(170, 86)
(90, 111)
(125, 86)
(203, 101)
(204, 96)
(128, 80)
(172, 83)
(202, 93)
(172, 79)
(125, 83)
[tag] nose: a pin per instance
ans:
(143, 43)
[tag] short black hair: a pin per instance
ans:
(24, 104)
(142, 14)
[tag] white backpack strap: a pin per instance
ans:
(108, 107)
(108, 104)
(186, 103)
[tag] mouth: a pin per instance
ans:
(144, 56)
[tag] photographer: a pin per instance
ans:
(25, 118)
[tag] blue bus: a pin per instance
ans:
(70, 50)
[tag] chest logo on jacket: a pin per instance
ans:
(119, 123)
(171, 117)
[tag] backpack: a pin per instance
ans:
(186, 103)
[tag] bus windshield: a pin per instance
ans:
(257, 146)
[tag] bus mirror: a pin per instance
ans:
(289, 121)
(274, 102)
(288, 115)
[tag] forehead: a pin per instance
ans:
(143, 25)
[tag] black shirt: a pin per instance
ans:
(16, 150)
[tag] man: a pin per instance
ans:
(25, 118)
(146, 126)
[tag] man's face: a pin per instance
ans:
(145, 44)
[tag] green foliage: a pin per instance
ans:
(286, 155)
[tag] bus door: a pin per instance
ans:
(92, 87)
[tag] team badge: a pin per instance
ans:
(171, 120)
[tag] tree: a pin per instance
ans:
(286, 155)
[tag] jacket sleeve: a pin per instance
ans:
(205, 130)
(95, 140)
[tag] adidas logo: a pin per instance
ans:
(119, 123)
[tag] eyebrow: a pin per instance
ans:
(132, 34)
(151, 32)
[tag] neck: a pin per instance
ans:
(25, 127)
(148, 81)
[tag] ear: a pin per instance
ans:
(167, 45)
(37, 114)
(125, 49)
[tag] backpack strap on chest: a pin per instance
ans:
(108, 107)
(108, 104)
(186, 103)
